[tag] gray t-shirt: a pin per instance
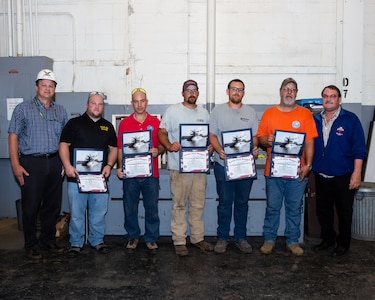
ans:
(225, 118)
(175, 115)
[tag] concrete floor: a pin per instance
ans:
(233, 275)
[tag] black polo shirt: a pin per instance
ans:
(83, 132)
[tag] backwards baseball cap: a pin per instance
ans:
(288, 80)
(46, 74)
(188, 83)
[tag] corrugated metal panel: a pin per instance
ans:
(363, 226)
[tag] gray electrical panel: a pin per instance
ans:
(17, 80)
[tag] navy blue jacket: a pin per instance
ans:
(346, 143)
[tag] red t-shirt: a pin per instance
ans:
(150, 123)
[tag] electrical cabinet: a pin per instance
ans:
(17, 80)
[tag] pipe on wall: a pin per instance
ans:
(10, 31)
(19, 28)
(211, 54)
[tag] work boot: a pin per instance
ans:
(221, 246)
(295, 249)
(204, 246)
(132, 245)
(244, 246)
(181, 250)
(153, 247)
(267, 247)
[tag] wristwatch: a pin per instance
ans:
(310, 166)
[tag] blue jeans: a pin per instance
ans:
(97, 205)
(291, 191)
(149, 187)
(232, 192)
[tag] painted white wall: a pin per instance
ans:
(116, 45)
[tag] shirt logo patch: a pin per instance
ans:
(296, 124)
(244, 119)
(104, 128)
(340, 131)
(149, 127)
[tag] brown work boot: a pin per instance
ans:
(267, 247)
(244, 246)
(295, 249)
(132, 245)
(221, 246)
(181, 250)
(204, 246)
(152, 247)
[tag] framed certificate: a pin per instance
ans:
(240, 162)
(194, 135)
(89, 164)
(286, 166)
(286, 154)
(194, 155)
(194, 161)
(137, 165)
(240, 167)
(237, 141)
(92, 183)
(136, 142)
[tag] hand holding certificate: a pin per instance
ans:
(240, 162)
(136, 160)
(89, 163)
(194, 156)
(286, 154)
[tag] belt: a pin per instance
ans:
(326, 176)
(46, 155)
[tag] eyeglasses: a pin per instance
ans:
(333, 96)
(191, 91)
(138, 90)
(98, 93)
(288, 90)
(236, 89)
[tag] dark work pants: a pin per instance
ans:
(41, 193)
(330, 192)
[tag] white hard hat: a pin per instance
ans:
(46, 74)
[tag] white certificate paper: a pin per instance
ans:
(138, 166)
(285, 166)
(240, 167)
(92, 183)
(194, 161)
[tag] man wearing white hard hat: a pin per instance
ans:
(33, 140)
